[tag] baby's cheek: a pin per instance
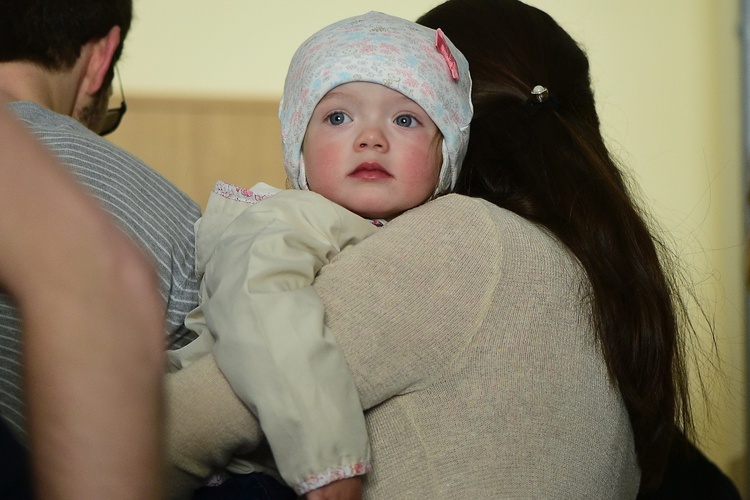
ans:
(321, 173)
(320, 165)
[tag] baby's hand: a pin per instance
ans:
(345, 489)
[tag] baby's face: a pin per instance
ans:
(372, 150)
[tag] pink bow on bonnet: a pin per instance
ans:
(417, 61)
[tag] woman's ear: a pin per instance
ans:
(102, 51)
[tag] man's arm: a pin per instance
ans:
(93, 323)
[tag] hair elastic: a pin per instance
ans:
(540, 93)
(540, 98)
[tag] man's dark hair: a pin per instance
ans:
(51, 33)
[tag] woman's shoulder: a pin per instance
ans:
(462, 223)
(460, 214)
(449, 221)
(456, 207)
(454, 204)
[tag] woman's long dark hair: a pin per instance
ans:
(550, 165)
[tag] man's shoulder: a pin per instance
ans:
(37, 117)
(106, 169)
(62, 134)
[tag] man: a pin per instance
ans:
(57, 61)
(99, 281)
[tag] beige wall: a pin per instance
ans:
(667, 78)
(243, 46)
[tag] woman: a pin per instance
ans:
(551, 166)
(535, 350)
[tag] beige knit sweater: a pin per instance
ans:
(466, 330)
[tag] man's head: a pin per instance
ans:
(51, 33)
(81, 37)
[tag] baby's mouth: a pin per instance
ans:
(370, 171)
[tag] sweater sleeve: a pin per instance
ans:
(271, 341)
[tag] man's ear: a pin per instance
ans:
(102, 51)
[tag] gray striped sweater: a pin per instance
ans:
(152, 210)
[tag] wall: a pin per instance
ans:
(667, 80)
(243, 46)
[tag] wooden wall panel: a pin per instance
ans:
(195, 142)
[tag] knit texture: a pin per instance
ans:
(476, 358)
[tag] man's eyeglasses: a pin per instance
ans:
(114, 115)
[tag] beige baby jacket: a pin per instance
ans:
(263, 321)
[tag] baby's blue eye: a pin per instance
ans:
(406, 121)
(337, 118)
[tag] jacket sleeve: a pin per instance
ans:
(271, 341)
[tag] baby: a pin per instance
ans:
(375, 121)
